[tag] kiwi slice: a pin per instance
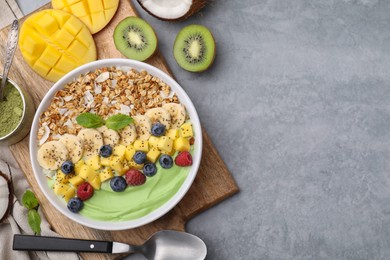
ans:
(135, 38)
(194, 48)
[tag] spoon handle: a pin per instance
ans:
(42, 243)
(10, 51)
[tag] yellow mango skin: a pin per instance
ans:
(54, 42)
(96, 14)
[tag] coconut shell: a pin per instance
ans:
(10, 198)
(196, 6)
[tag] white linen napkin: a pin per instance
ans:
(17, 223)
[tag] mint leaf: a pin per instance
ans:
(89, 120)
(34, 220)
(118, 121)
(29, 200)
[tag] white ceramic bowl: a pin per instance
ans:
(105, 225)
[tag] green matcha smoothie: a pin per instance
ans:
(138, 201)
(11, 110)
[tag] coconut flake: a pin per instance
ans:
(88, 98)
(62, 111)
(105, 100)
(45, 135)
(98, 89)
(113, 83)
(124, 110)
(102, 77)
(68, 98)
(68, 123)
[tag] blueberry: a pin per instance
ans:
(118, 183)
(139, 157)
(75, 205)
(105, 151)
(67, 167)
(166, 161)
(158, 129)
(150, 169)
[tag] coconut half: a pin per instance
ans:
(171, 10)
(6, 195)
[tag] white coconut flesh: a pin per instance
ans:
(167, 9)
(4, 196)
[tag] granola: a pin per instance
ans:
(105, 91)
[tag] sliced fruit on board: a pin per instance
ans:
(96, 14)
(194, 48)
(172, 9)
(135, 38)
(6, 197)
(54, 42)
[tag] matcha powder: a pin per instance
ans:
(11, 110)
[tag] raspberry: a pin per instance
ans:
(135, 177)
(84, 191)
(183, 159)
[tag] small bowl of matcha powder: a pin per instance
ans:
(13, 119)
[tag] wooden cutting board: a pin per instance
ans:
(212, 184)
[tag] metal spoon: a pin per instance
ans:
(10, 51)
(163, 245)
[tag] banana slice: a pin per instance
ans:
(74, 145)
(128, 134)
(52, 154)
(142, 126)
(92, 140)
(110, 136)
(177, 112)
(161, 115)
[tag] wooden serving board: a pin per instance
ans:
(212, 184)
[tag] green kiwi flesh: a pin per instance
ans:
(194, 48)
(135, 38)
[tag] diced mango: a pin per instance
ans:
(153, 155)
(186, 130)
(173, 133)
(182, 144)
(153, 141)
(96, 14)
(77, 166)
(69, 194)
(116, 163)
(95, 183)
(119, 151)
(130, 151)
(62, 177)
(141, 145)
(94, 162)
(76, 181)
(60, 188)
(53, 43)
(134, 165)
(106, 174)
(87, 173)
(105, 161)
(165, 144)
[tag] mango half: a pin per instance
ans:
(54, 42)
(96, 14)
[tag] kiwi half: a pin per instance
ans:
(194, 48)
(135, 38)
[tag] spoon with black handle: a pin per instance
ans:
(163, 245)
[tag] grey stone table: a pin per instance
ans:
(297, 103)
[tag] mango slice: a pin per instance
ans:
(96, 14)
(54, 42)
